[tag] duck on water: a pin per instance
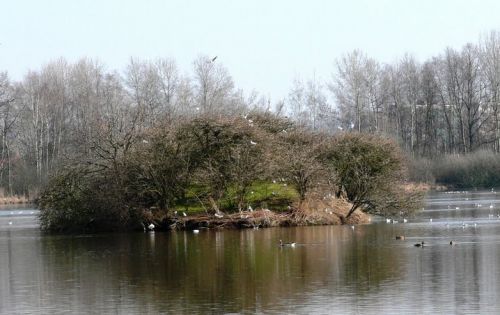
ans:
(421, 244)
(287, 244)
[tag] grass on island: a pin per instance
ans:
(275, 196)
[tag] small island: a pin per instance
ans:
(232, 171)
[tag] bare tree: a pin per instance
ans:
(490, 65)
(351, 89)
(213, 86)
(8, 117)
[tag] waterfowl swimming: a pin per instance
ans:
(287, 244)
(151, 227)
(421, 244)
(196, 231)
(400, 237)
(452, 243)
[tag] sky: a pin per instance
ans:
(264, 44)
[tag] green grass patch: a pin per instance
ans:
(275, 196)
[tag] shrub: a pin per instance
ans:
(77, 200)
(226, 153)
(369, 170)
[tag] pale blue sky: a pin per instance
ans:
(263, 43)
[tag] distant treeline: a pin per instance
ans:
(448, 104)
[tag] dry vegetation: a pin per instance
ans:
(14, 200)
(310, 212)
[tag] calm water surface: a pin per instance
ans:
(332, 270)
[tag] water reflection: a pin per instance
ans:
(333, 269)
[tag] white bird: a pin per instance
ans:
(145, 141)
(218, 215)
(253, 143)
(196, 231)
(184, 214)
(457, 208)
(388, 220)
(430, 220)
(491, 206)
(250, 208)
(10, 222)
(151, 227)
(405, 220)
(352, 227)
(340, 128)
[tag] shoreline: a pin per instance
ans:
(309, 214)
(14, 200)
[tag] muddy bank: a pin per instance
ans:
(330, 212)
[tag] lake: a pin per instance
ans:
(331, 270)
